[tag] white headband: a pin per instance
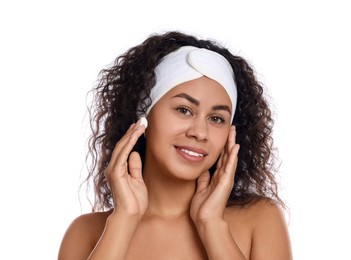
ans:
(188, 63)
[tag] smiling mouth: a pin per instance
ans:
(192, 152)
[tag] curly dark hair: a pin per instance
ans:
(117, 97)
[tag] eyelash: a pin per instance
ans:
(215, 119)
(183, 110)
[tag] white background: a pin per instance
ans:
(52, 51)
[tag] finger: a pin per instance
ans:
(231, 138)
(203, 181)
(135, 128)
(123, 152)
(227, 148)
(227, 172)
(220, 160)
(135, 166)
(121, 143)
(234, 134)
(232, 161)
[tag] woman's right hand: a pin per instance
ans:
(124, 174)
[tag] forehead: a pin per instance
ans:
(203, 89)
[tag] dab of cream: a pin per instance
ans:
(143, 121)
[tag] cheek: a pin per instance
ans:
(163, 123)
(169, 122)
(219, 140)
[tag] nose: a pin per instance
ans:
(198, 129)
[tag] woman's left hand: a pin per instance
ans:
(210, 198)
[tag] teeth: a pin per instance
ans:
(192, 153)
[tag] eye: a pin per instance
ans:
(184, 111)
(217, 119)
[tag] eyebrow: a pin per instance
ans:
(197, 102)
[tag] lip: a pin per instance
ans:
(189, 157)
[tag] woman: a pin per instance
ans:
(193, 178)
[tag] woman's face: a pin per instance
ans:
(188, 128)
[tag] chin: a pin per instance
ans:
(187, 173)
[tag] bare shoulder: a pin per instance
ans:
(257, 212)
(264, 226)
(90, 224)
(82, 235)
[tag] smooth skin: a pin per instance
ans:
(170, 208)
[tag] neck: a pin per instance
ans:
(169, 197)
